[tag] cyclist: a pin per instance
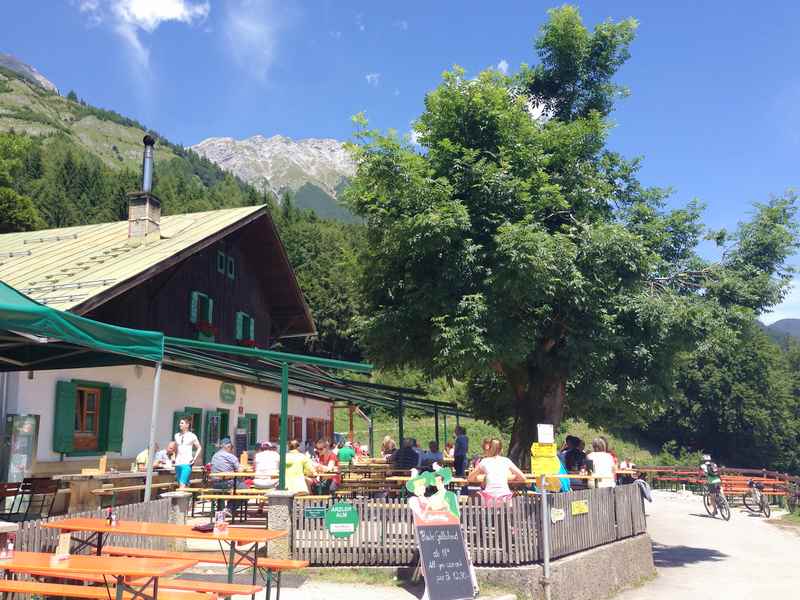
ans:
(711, 471)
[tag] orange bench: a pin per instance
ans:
(273, 566)
(36, 588)
(221, 590)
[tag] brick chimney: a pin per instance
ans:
(144, 209)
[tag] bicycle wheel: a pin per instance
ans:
(708, 502)
(724, 509)
(765, 507)
(750, 503)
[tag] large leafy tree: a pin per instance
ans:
(518, 254)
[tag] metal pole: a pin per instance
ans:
(444, 419)
(545, 540)
(151, 449)
(400, 420)
(436, 424)
(284, 424)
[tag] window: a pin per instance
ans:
(249, 422)
(274, 428)
(226, 265)
(221, 262)
(231, 268)
(294, 427)
(245, 328)
(89, 418)
(201, 313)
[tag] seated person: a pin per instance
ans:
(433, 455)
(165, 459)
(346, 454)
(267, 464)
(406, 457)
(496, 470)
(225, 461)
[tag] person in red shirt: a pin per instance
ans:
(328, 463)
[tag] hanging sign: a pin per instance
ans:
(579, 507)
(227, 393)
(443, 554)
(545, 434)
(341, 520)
(314, 512)
(556, 515)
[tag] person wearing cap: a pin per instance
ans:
(225, 461)
(267, 464)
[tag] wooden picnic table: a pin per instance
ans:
(248, 538)
(122, 570)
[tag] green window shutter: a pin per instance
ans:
(252, 429)
(220, 261)
(116, 419)
(194, 306)
(176, 422)
(210, 310)
(196, 414)
(64, 417)
(240, 325)
(231, 268)
(251, 329)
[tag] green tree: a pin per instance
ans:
(518, 254)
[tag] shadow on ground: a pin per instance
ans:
(679, 556)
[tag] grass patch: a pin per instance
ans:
(792, 519)
(365, 576)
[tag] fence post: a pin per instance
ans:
(545, 541)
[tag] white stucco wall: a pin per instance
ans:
(37, 396)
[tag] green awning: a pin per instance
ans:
(34, 336)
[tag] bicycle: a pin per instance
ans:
(715, 502)
(755, 500)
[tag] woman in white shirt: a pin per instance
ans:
(267, 466)
(602, 464)
(496, 470)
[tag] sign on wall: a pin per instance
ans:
(544, 461)
(341, 520)
(227, 393)
(579, 507)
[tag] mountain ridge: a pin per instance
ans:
(12, 63)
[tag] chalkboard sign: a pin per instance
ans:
(443, 556)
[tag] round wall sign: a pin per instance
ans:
(227, 393)
(341, 520)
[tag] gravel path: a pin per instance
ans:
(701, 558)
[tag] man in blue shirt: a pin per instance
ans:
(225, 461)
(460, 450)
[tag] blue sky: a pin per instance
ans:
(714, 109)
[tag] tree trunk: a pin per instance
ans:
(540, 401)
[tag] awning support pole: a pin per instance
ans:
(400, 421)
(436, 424)
(151, 449)
(284, 424)
(444, 419)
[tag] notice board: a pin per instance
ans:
(445, 564)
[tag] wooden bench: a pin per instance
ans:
(221, 590)
(273, 566)
(109, 491)
(36, 588)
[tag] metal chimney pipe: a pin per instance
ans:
(147, 164)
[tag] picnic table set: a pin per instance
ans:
(134, 573)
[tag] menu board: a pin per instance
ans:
(447, 569)
(240, 441)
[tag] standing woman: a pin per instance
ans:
(460, 450)
(188, 450)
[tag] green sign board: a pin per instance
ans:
(341, 520)
(227, 393)
(314, 512)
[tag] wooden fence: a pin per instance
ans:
(32, 537)
(504, 536)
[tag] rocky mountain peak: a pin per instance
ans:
(12, 63)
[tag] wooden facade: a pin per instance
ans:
(240, 274)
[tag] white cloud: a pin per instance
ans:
(373, 79)
(788, 309)
(413, 137)
(251, 28)
(402, 25)
(129, 18)
(360, 22)
(502, 66)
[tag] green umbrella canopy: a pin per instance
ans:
(35, 337)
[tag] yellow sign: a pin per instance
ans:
(544, 461)
(579, 507)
